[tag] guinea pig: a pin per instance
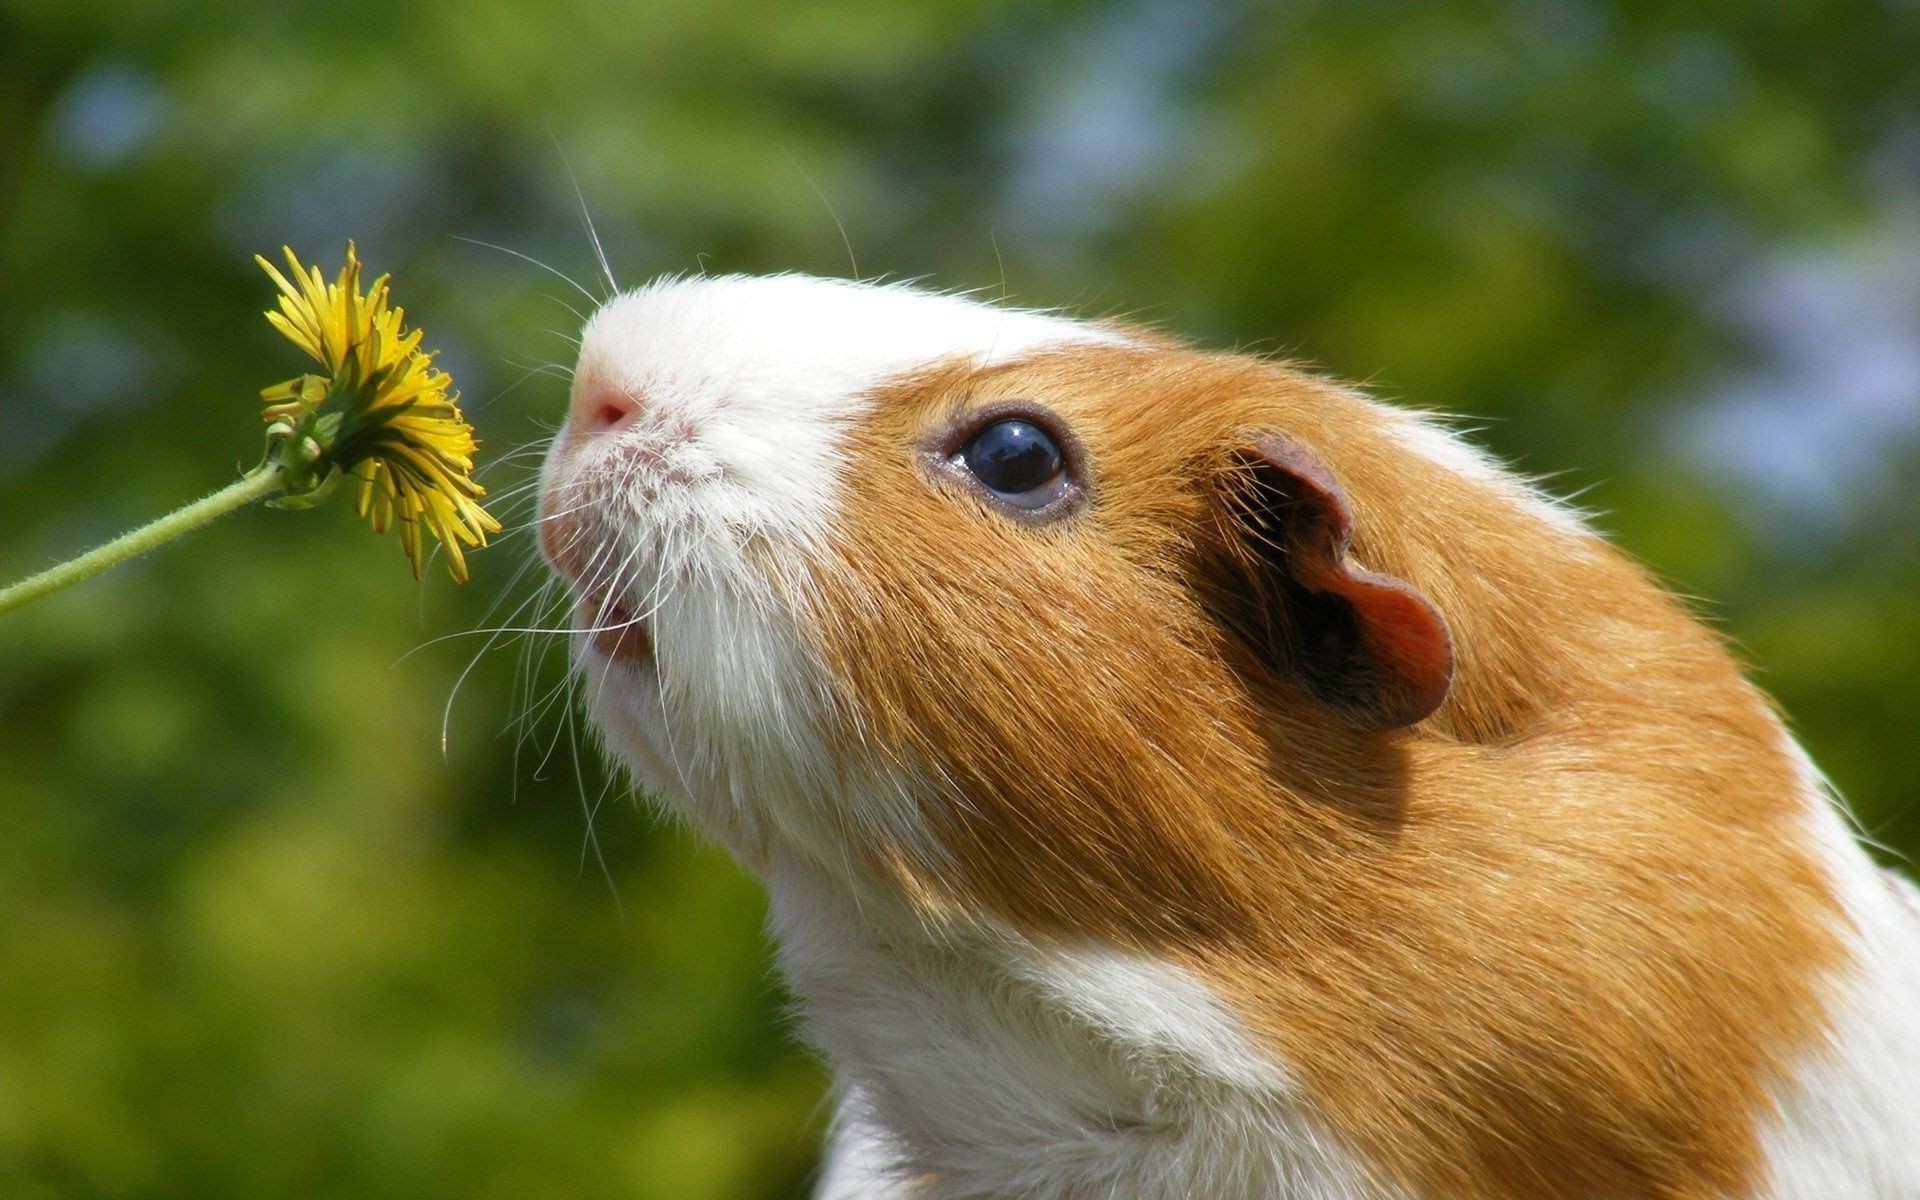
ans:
(1176, 775)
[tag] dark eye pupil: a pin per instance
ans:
(1012, 457)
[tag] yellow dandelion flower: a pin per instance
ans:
(381, 412)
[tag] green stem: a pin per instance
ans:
(257, 484)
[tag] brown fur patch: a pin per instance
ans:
(1552, 941)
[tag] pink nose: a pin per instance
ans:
(603, 408)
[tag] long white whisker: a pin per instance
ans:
(523, 684)
(593, 815)
(549, 369)
(593, 234)
(553, 747)
(591, 298)
(553, 695)
(618, 585)
(537, 709)
(526, 374)
(828, 205)
(446, 713)
(593, 840)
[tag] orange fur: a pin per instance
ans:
(1552, 941)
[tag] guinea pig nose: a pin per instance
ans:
(604, 408)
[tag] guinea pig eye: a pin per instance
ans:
(1017, 461)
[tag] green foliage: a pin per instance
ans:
(262, 936)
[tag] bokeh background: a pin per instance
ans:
(265, 932)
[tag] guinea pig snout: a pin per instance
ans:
(615, 425)
(603, 408)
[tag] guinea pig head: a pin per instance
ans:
(693, 502)
(997, 602)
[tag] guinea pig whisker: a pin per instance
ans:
(494, 633)
(522, 462)
(521, 505)
(534, 446)
(528, 258)
(516, 504)
(506, 593)
(590, 581)
(514, 495)
(446, 713)
(565, 512)
(536, 709)
(611, 584)
(517, 531)
(553, 744)
(557, 370)
(586, 218)
(671, 564)
(523, 683)
(520, 510)
(521, 528)
(496, 397)
(589, 811)
(601, 567)
(557, 604)
(680, 770)
(497, 631)
(591, 841)
(483, 630)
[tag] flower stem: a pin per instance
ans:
(257, 484)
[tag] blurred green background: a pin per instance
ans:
(261, 936)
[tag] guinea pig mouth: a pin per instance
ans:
(613, 630)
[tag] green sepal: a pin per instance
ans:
(312, 496)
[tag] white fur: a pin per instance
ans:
(985, 1065)
(860, 1162)
(1849, 1118)
(1423, 433)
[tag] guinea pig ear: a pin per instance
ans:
(1369, 646)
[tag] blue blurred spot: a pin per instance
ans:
(1814, 433)
(79, 365)
(317, 197)
(1111, 118)
(107, 115)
